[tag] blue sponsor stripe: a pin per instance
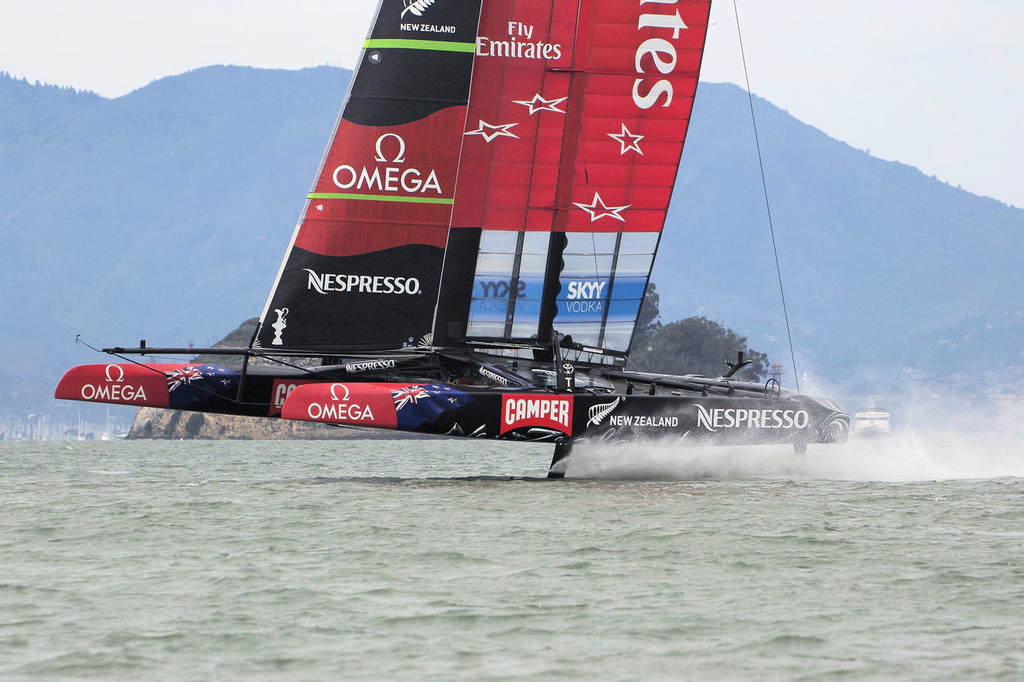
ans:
(626, 310)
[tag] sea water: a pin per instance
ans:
(456, 560)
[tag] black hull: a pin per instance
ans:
(474, 396)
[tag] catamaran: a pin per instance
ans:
(472, 258)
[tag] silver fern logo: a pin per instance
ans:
(416, 7)
(599, 412)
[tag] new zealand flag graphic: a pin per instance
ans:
(418, 404)
(191, 384)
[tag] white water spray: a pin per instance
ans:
(902, 457)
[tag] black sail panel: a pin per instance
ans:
(363, 269)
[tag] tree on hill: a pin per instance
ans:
(695, 345)
(647, 323)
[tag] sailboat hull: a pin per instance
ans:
(431, 406)
(556, 417)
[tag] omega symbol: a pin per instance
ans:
(399, 158)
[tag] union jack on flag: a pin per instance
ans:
(409, 394)
(420, 403)
(182, 376)
(190, 384)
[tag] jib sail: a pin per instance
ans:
(363, 269)
(576, 123)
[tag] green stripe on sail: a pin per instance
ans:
(377, 197)
(436, 45)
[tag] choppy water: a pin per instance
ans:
(417, 560)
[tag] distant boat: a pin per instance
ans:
(872, 422)
(473, 255)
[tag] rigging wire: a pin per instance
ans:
(767, 203)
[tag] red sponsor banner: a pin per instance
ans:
(116, 384)
(545, 411)
(354, 404)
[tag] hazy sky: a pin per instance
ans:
(938, 84)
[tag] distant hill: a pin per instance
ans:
(164, 215)
(885, 269)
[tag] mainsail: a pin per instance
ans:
(363, 269)
(498, 173)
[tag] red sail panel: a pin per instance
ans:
(384, 187)
(515, 127)
(577, 117)
(642, 68)
(638, 63)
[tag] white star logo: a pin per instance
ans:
(628, 141)
(597, 209)
(538, 103)
(489, 132)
